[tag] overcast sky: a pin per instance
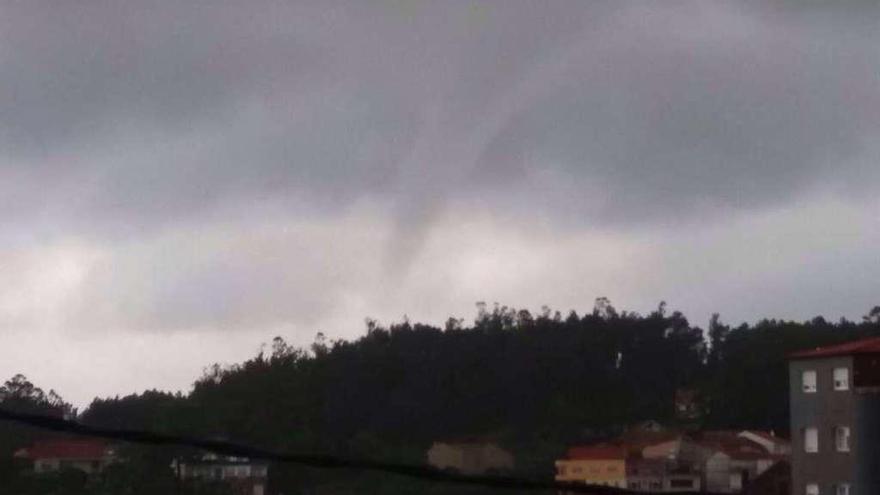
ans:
(182, 181)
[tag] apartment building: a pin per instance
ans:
(835, 419)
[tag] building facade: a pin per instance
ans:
(661, 475)
(835, 419)
(240, 475)
(594, 465)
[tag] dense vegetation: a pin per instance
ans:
(534, 382)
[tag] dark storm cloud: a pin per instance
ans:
(146, 112)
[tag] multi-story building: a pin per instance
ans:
(835, 419)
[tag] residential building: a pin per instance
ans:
(87, 455)
(661, 475)
(835, 419)
(681, 461)
(601, 464)
(645, 474)
(735, 459)
(242, 475)
(470, 456)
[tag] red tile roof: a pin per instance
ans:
(596, 452)
(864, 346)
(66, 449)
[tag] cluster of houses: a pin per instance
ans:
(648, 458)
(242, 476)
(835, 426)
(658, 460)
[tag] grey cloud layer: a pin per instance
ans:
(198, 176)
(144, 113)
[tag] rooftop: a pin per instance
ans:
(66, 449)
(730, 443)
(596, 452)
(767, 435)
(864, 346)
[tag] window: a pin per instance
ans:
(841, 438)
(812, 489)
(811, 440)
(809, 381)
(841, 379)
(843, 489)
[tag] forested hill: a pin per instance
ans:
(509, 374)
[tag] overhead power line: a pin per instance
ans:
(311, 460)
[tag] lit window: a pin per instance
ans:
(841, 438)
(841, 379)
(809, 381)
(811, 440)
(812, 489)
(843, 489)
